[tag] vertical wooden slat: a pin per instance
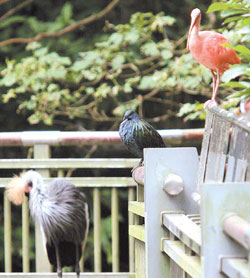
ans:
(97, 230)
(175, 270)
(7, 235)
(42, 263)
(217, 153)
(60, 173)
(25, 236)
(115, 229)
(131, 221)
(238, 155)
(204, 149)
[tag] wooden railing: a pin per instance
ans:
(194, 218)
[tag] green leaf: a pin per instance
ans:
(67, 11)
(234, 72)
(219, 6)
(234, 84)
(166, 54)
(150, 49)
(11, 20)
(117, 61)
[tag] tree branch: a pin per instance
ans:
(15, 9)
(65, 30)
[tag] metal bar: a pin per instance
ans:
(62, 138)
(131, 221)
(66, 163)
(42, 263)
(97, 230)
(7, 235)
(68, 275)
(235, 267)
(238, 229)
(115, 229)
(25, 236)
(88, 181)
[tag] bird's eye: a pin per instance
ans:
(30, 184)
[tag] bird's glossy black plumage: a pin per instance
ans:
(138, 134)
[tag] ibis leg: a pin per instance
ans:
(58, 262)
(217, 83)
(214, 79)
(77, 265)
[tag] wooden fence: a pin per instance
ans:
(41, 142)
(193, 215)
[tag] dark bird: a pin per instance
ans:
(138, 134)
(61, 211)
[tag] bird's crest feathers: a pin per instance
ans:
(15, 190)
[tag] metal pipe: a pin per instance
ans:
(238, 229)
(66, 138)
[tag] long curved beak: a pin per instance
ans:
(193, 22)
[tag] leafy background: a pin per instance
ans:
(132, 58)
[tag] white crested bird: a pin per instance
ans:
(61, 211)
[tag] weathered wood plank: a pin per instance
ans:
(89, 181)
(204, 149)
(238, 155)
(67, 163)
(131, 221)
(184, 229)
(68, 275)
(137, 208)
(115, 229)
(7, 235)
(137, 231)
(217, 152)
(140, 260)
(25, 236)
(234, 267)
(190, 264)
(97, 230)
(42, 262)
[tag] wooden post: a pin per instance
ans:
(42, 263)
(7, 235)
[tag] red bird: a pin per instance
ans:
(206, 48)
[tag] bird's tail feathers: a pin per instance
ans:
(15, 190)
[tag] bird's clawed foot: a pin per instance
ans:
(210, 103)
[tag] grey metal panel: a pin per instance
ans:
(217, 201)
(217, 150)
(158, 164)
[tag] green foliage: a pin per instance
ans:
(131, 67)
(235, 14)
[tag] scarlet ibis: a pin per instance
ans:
(60, 210)
(206, 47)
(138, 134)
